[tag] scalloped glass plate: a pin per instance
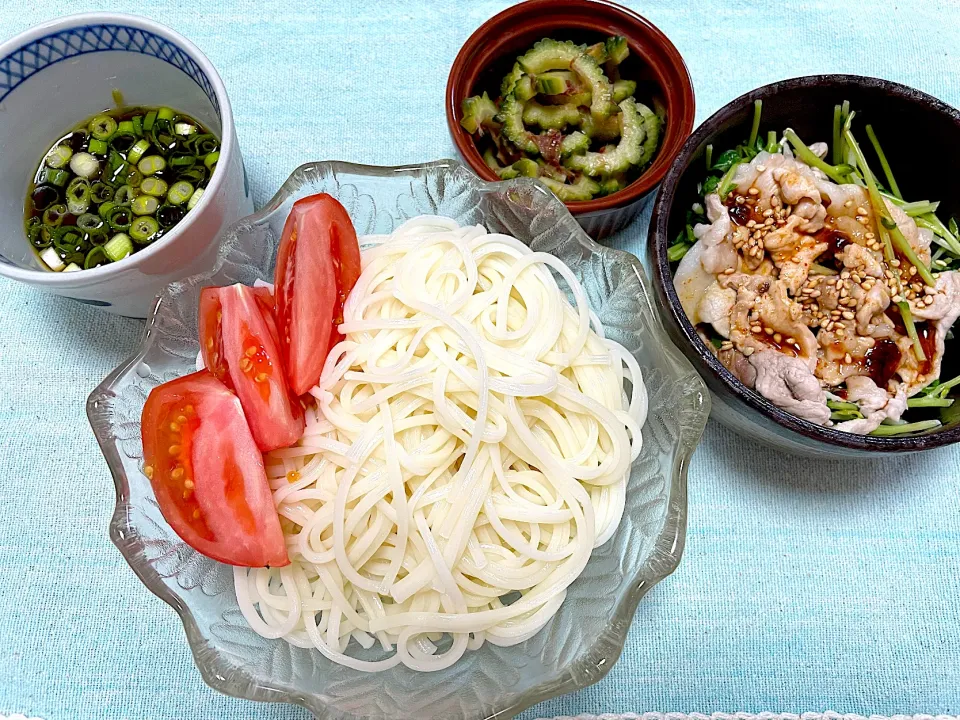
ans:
(581, 643)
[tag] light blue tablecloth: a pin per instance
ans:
(805, 586)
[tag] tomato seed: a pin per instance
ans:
(148, 471)
(174, 449)
(177, 473)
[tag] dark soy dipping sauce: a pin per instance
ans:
(881, 361)
(81, 247)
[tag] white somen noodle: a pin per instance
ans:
(470, 446)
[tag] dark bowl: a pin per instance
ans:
(806, 105)
(654, 62)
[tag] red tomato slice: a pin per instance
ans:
(208, 474)
(318, 264)
(253, 362)
(268, 308)
(211, 334)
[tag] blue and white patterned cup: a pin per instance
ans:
(62, 72)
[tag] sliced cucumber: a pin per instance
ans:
(583, 189)
(622, 89)
(548, 55)
(478, 111)
(608, 186)
(575, 142)
(550, 117)
(508, 173)
(587, 69)
(627, 153)
(490, 158)
(511, 115)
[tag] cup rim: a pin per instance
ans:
(491, 35)
(95, 276)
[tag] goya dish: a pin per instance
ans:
(817, 284)
(566, 116)
(115, 184)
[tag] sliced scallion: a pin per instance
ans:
(149, 120)
(118, 247)
(137, 121)
(151, 164)
(195, 198)
(138, 150)
(56, 176)
(120, 218)
(183, 128)
(170, 215)
(88, 222)
(78, 196)
(755, 127)
(210, 161)
(105, 208)
(145, 205)
(888, 173)
(84, 165)
(98, 147)
(890, 430)
(54, 214)
(102, 127)
(95, 258)
(100, 192)
(165, 113)
(807, 156)
(143, 229)
(154, 186)
(59, 156)
(180, 192)
(72, 267)
(126, 126)
(124, 195)
(52, 259)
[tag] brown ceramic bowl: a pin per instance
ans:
(654, 63)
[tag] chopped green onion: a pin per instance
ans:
(911, 330)
(145, 205)
(154, 186)
(164, 113)
(170, 215)
(709, 157)
(195, 198)
(120, 217)
(890, 430)
(182, 161)
(124, 195)
(917, 402)
(102, 127)
(807, 156)
(84, 165)
(125, 126)
(143, 229)
(905, 249)
(52, 259)
(104, 210)
(888, 173)
(95, 258)
(149, 120)
(179, 193)
(72, 267)
(196, 174)
(872, 190)
(89, 222)
(118, 247)
(137, 151)
(101, 192)
(134, 177)
(211, 160)
(54, 214)
(755, 128)
(59, 156)
(137, 121)
(55, 176)
(182, 128)
(97, 147)
(151, 164)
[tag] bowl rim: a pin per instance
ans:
(666, 549)
(484, 36)
(228, 144)
(659, 241)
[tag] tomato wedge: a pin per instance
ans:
(208, 474)
(238, 337)
(318, 264)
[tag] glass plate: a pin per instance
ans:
(583, 640)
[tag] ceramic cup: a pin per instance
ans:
(64, 71)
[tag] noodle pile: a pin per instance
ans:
(470, 446)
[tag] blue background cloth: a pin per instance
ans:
(806, 585)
